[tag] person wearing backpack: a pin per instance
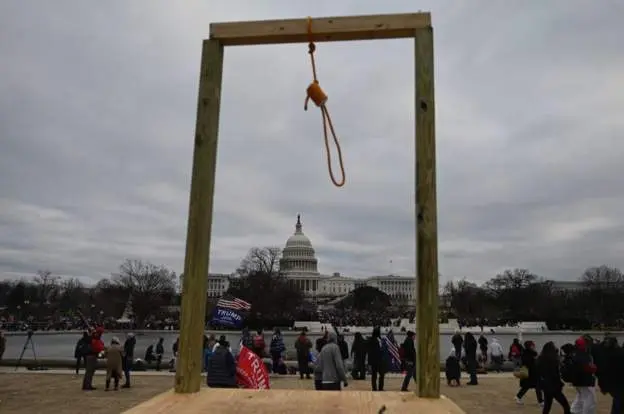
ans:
(583, 379)
(549, 378)
(258, 344)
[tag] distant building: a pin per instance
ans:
(299, 265)
(567, 285)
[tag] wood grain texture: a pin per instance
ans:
(428, 330)
(236, 401)
(325, 29)
(192, 318)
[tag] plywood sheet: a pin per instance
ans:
(236, 401)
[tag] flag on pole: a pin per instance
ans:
(230, 302)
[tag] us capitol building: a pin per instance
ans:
(300, 266)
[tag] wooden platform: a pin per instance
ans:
(236, 401)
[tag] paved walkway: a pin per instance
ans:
(9, 370)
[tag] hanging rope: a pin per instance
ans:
(316, 95)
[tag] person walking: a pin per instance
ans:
(114, 362)
(409, 359)
(528, 360)
(549, 378)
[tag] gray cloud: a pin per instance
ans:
(97, 111)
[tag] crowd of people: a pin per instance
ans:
(583, 365)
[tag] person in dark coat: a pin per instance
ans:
(128, 359)
(549, 378)
(483, 347)
(609, 360)
(377, 360)
(221, 367)
(303, 345)
(583, 378)
(409, 359)
(528, 360)
(320, 342)
(344, 348)
(358, 352)
(81, 350)
(452, 369)
(457, 342)
(470, 347)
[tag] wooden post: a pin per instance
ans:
(196, 263)
(427, 328)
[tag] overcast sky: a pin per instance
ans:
(97, 115)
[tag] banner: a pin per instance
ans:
(227, 317)
(251, 371)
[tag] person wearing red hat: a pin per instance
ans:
(96, 347)
(583, 381)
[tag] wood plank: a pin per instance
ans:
(236, 401)
(428, 330)
(325, 29)
(196, 263)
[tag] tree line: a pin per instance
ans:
(597, 301)
(49, 297)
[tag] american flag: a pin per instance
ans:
(233, 303)
(393, 349)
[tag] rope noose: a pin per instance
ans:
(316, 95)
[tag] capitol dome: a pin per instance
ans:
(298, 256)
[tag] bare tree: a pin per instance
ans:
(47, 285)
(151, 286)
(260, 260)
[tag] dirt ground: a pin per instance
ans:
(61, 394)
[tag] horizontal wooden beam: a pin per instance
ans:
(324, 29)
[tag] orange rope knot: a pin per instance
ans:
(315, 94)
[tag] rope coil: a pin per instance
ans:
(315, 93)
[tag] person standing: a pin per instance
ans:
(128, 358)
(549, 378)
(358, 352)
(114, 361)
(277, 348)
(344, 349)
(483, 347)
(331, 366)
(159, 352)
(80, 352)
(96, 346)
(409, 359)
(496, 355)
(470, 346)
(377, 360)
(457, 342)
(2, 344)
(303, 345)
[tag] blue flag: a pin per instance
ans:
(230, 312)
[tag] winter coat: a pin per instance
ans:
(221, 368)
(114, 357)
(303, 346)
(528, 360)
